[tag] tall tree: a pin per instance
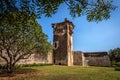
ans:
(20, 38)
(96, 10)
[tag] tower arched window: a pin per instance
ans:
(56, 44)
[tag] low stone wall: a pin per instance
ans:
(77, 58)
(97, 58)
(34, 58)
(91, 58)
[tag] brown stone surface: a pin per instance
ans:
(63, 52)
(97, 58)
(77, 58)
(34, 58)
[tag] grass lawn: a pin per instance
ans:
(68, 73)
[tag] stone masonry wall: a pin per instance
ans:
(63, 50)
(97, 58)
(34, 58)
(77, 58)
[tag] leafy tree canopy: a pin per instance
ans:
(96, 10)
(19, 38)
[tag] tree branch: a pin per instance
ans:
(3, 57)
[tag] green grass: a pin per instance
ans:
(72, 73)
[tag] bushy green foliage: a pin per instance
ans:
(35, 65)
(96, 10)
(20, 36)
(117, 64)
(115, 56)
(117, 68)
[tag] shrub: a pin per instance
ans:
(31, 65)
(117, 68)
(118, 64)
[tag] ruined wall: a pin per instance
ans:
(97, 58)
(37, 58)
(30, 60)
(78, 58)
(34, 58)
(91, 58)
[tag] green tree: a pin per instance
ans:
(114, 55)
(96, 10)
(19, 38)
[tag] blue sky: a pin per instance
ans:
(87, 36)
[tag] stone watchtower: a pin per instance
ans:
(62, 41)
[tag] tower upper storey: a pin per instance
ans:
(63, 27)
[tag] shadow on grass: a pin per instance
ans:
(23, 69)
(3, 73)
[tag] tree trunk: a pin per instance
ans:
(10, 68)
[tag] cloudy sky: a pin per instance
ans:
(87, 36)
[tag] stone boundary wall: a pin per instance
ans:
(97, 58)
(77, 58)
(91, 58)
(34, 58)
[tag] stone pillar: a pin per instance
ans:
(83, 60)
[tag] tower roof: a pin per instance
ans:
(61, 23)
